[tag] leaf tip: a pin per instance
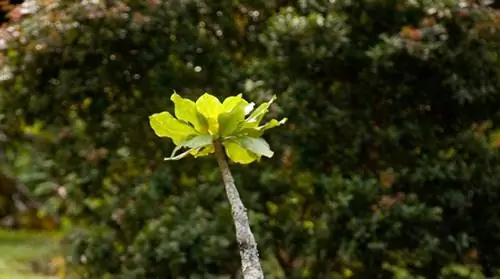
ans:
(174, 96)
(249, 108)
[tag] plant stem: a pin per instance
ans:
(249, 253)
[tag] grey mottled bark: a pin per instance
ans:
(250, 263)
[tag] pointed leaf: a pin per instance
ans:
(185, 109)
(180, 156)
(239, 154)
(165, 125)
(176, 149)
(231, 102)
(272, 124)
(258, 131)
(258, 146)
(249, 108)
(257, 115)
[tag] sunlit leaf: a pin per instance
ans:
(233, 101)
(258, 146)
(199, 123)
(239, 154)
(165, 125)
(257, 115)
(259, 130)
(185, 109)
(210, 107)
(272, 124)
(249, 108)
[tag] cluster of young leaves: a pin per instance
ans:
(233, 122)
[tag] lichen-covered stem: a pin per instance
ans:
(249, 253)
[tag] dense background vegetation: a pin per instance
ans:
(387, 168)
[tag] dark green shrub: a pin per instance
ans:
(392, 90)
(386, 168)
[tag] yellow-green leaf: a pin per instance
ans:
(199, 145)
(185, 109)
(247, 130)
(231, 120)
(210, 107)
(257, 115)
(233, 101)
(239, 154)
(271, 124)
(205, 151)
(258, 146)
(165, 125)
(199, 123)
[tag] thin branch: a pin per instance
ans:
(249, 253)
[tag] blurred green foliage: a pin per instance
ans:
(387, 168)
